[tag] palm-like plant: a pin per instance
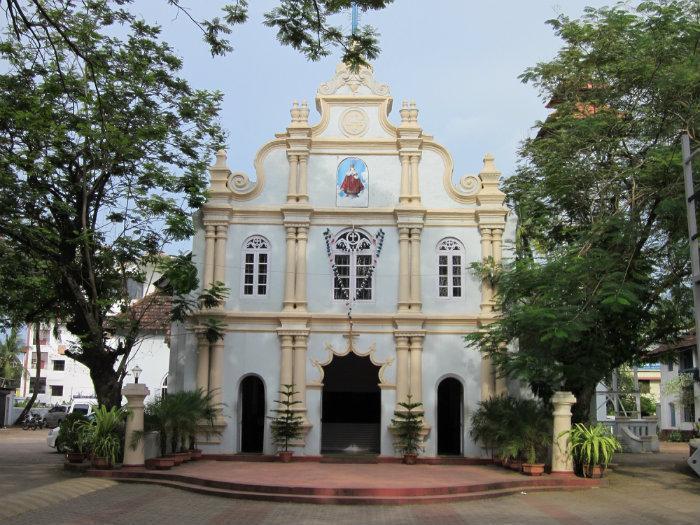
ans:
(10, 365)
(104, 433)
(592, 445)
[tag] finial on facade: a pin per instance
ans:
(489, 164)
(304, 112)
(414, 112)
(221, 159)
(405, 113)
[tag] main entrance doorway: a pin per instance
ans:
(252, 414)
(449, 417)
(351, 406)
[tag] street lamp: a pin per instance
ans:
(137, 372)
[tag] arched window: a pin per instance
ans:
(353, 252)
(256, 256)
(450, 259)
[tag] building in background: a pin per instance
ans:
(679, 410)
(63, 378)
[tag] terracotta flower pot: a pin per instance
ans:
(409, 459)
(286, 456)
(160, 463)
(177, 458)
(594, 471)
(515, 465)
(101, 463)
(75, 457)
(533, 469)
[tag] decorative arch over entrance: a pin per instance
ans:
(351, 405)
(450, 414)
(252, 414)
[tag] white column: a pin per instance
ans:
(402, 379)
(404, 277)
(209, 248)
(486, 252)
(300, 371)
(415, 191)
(220, 255)
(135, 394)
(405, 191)
(216, 371)
(562, 462)
(487, 380)
(290, 271)
(292, 188)
(497, 245)
(286, 361)
(300, 287)
(416, 369)
(303, 177)
(415, 269)
(202, 363)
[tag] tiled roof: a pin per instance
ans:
(152, 311)
(686, 341)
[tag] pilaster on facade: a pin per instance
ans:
(296, 220)
(410, 142)
(294, 340)
(410, 224)
(298, 144)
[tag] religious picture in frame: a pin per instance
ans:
(352, 183)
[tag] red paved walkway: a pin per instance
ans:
(346, 483)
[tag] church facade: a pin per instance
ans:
(347, 258)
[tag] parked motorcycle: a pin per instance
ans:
(33, 422)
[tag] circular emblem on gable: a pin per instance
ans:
(354, 122)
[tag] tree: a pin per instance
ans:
(302, 24)
(286, 425)
(10, 365)
(104, 149)
(601, 268)
(99, 171)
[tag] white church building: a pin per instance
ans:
(351, 213)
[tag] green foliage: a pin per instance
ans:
(287, 424)
(681, 387)
(407, 425)
(103, 161)
(675, 436)
(301, 24)
(104, 435)
(179, 416)
(601, 269)
(10, 365)
(513, 428)
(591, 445)
(71, 437)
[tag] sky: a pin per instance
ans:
(459, 60)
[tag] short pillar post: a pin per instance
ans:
(562, 462)
(135, 393)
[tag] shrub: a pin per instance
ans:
(407, 424)
(70, 438)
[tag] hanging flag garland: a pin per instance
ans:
(351, 244)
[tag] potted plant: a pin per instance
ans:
(70, 438)
(407, 426)
(104, 435)
(536, 428)
(592, 448)
(287, 424)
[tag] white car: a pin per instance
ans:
(83, 406)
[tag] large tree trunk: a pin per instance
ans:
(581, 411)
(37, 374)
(108, 387)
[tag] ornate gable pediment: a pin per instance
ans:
(347, 82)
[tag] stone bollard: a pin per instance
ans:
(562, 462)
(135, 393)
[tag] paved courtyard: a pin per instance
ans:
(643, 489)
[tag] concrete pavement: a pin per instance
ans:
(644, 489)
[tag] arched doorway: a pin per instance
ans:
(351, 406)
(252, 399)
(449, 417)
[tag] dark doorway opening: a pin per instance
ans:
(351, 406)
(449, 417)
(252, 414)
